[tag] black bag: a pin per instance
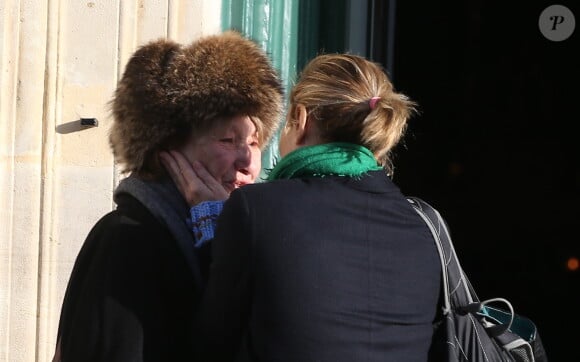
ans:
(471, 330)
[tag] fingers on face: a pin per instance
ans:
(209, 180)
(170, 164)
(180, 159)
(194, 176)
(173, 162)
(203, 173)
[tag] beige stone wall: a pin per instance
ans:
(59, 62)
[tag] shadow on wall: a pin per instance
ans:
(78, 125)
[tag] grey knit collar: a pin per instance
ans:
(163, 200)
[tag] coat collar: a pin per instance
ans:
(377, 182)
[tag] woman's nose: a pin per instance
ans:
(248, 161)
(244, 157)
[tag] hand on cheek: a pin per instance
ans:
(193, 180)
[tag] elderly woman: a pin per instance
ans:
(327, 261)
(136, 283)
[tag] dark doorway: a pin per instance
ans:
(495, 149)
(494, 145)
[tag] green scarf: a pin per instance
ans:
(328, 159)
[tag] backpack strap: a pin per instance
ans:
(458, 293)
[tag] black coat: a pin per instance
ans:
(131, 294)
(320, 269)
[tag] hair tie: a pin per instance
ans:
(373, 102)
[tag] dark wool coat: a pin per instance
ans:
(320, 269)
(131, 294)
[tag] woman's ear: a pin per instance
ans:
(302, 124)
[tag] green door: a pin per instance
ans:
(294, 31)
(273, 25)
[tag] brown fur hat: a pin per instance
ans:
(170, 92)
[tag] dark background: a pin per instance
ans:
(493, 146)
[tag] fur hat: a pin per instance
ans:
(169, 91)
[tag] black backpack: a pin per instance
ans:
(469, 329)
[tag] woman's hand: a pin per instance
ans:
(194, 182)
